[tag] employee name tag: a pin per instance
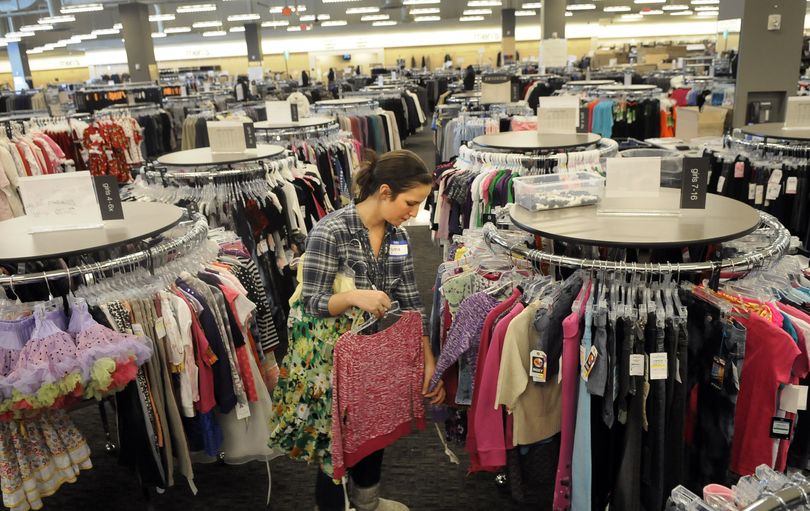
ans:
(398, 248)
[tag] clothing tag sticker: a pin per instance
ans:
(242, 411)
(636, 365)
(559, 370)
(773, 191)
(792, 185)
(590, 362)
(398, 248)
(137, 329)
(739, 169)
(581, 356)
(752, 191)
(721, 182)
(793, 398)
(781, 427)
(658, 366)
(160, 328)
(539, 368)
(718, 372)
(759, 196)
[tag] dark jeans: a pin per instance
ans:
(366, 473)
(652, 459)
(677, 346)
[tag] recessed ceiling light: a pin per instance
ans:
(472, 18)
(162, 17)
(617, 8)
(707, 13)
(280, 9)
(419, 19)
(196, 8)
(681, 13)
(702, 8)
(35, 28)
(57, 19)
(244, 17)
(581, 7)
(630, 17)
(338, 1)
(238, 28)
(72, 9)
(276, 23)
(176, 30)
(475, 12)
(649, 1)
(307, 17)
(214, 33)
(532, 5)
(389, 23)
(206, 24)
(568, 13)
(334, 23)
(425, 10)
(525, 13)
(19, 34)
(705, 2)
(158, 35)
(119, 26)
(294, 28)
(86, 37)
(374, 17)
(484, 3)
(675, 7)
(106, 31)
(651, 12)
(421, 2)
(362, 10)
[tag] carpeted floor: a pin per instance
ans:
(416, 470)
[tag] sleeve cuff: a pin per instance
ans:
(322, 305)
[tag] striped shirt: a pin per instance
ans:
(339, 243)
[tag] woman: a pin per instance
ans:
(348, 268)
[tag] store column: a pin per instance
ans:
(553, 46)
(508, 36)
(20, 70)
(138, 42)
(770, 55)
(253, 39)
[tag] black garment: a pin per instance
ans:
(652, 459)
(532, 472)
(677, 349)
(365, 474)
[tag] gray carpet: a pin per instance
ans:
(416, 470)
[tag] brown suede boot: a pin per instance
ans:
(368, 499)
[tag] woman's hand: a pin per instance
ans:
(374, 302)
(437, 396)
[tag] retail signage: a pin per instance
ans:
(558, 114)
(497, 88)
(633, 177)
(109, 200)
(60, 202)
(694, 183)
(798, 112)
(279, 112)
(553, 53)
(231, 136)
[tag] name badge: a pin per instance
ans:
(398, 248)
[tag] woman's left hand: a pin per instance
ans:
(437, 395)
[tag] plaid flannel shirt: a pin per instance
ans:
(336, 244)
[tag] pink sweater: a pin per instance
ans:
(376, 390)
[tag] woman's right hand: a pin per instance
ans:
(374, 302)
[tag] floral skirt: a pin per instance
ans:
(301, 425)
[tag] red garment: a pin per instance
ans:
(591, 106)
(24, 159)
(483, 346)
(242, 353)
(376, 390)
(770, 354)
(205, 358)
(679, 96)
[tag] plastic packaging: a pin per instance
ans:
(554, 191)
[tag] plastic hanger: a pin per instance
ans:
(393, 310)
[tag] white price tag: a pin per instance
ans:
(759, 197)
(752, 191)
(636, 365)
(793, 398)
(242, 411)
(160, 328)
(658, 366)
(792, 185)
(721, 182)
(137, 329)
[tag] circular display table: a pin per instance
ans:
(627, 88)
(776, 130)
(723, 219)
(141, 220)
(521, 141)
(589, 83)
(204, 157)
(306, 122)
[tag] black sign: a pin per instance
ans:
(780, 428)
(250, 135)
(582, 127)
(694, 183)
(294, 112)
(109, 200)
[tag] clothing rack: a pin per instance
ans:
(527, 154)
(630, 91)
(212, 174)
(197, 234)
(344, 105)
(753, 259)
(306, 128)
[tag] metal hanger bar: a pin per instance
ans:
(793, 497)
(606, 146)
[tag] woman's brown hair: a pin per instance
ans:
(401, 170)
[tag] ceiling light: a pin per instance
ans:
(35, 28)
(275, 23)
(196, 8)
(362, 10)
(420, 2)
(420, 19)
(649, 1)
(675, 7)
(17, 35)
(374, 17)
(568, 13)
(630, 17)
(338, 1)
(280, 9)
(72, 9)
(334, 23)
(425, 10)
(308, 17)
(681, 13)
(244, 17)
(214, 33)
(176, 30)
(651, 12)
(707, 13)
(162, 17)
(389, 23)
(57, 19)
(484, 3)
(474, 12)
(238, 28)
(581, 7)
(526, 13)
(118, 26)
(61, 43)
(85, 37)
(294, 28)
(617, 8)
(705, 2)
(33, 51)
(158, 35)
(206, 24)
(472, 18)
(533, 5)
(106, 31)
(701, 8)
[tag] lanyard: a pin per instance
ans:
(375, 266)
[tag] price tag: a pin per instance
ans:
(721, 183)
(739, 169)
(160, 328)
(793, 398)
(242, 411)
(137, 329)
(781, 428)
(774, 185)
(792, 185)
(759, 195)
(587, 367)
(658, 366)
(752, 191)
(539, 368)
(636, 365)
(718, 372)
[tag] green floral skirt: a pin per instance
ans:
(302, 401)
